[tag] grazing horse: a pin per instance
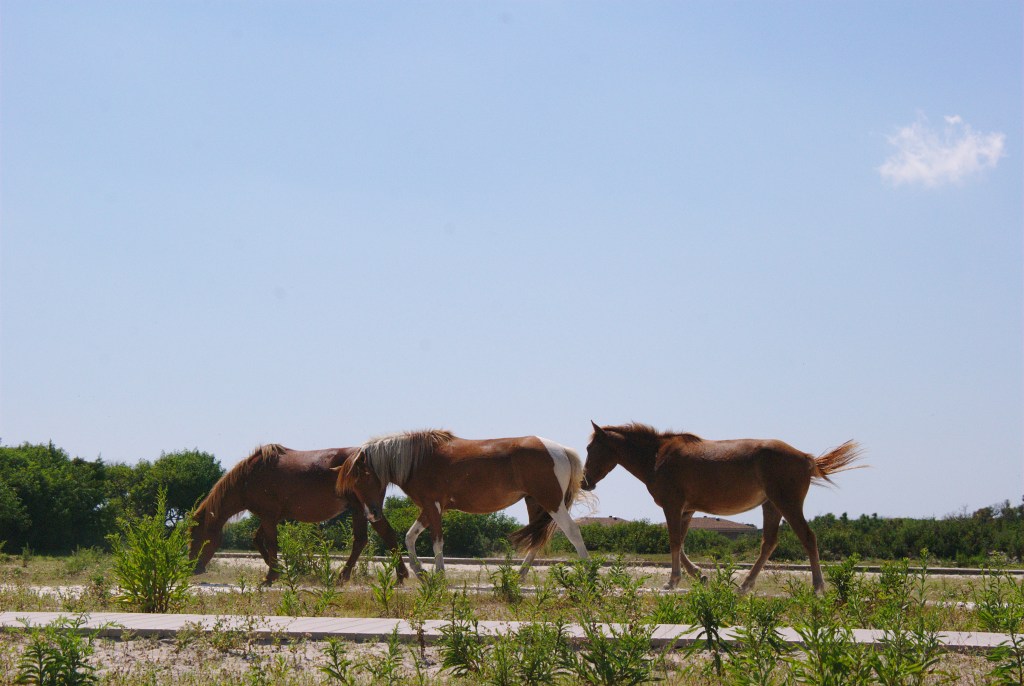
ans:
(275, 483)
(439, 471)
(685, 474)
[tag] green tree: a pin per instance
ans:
(188, 475)
(57, 502)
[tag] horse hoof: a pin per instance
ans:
(672, 583)
(704, 579)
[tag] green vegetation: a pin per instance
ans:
(898, 601)
(151, 563)
(961, 539)
(52, 503)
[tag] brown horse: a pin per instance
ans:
(275, 483)
(439, 471)
(685, 474)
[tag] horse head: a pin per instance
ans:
(357, 478)
(601, 457)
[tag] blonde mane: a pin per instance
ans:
(394, 457)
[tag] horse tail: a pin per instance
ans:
(539, 531)
(838, 460)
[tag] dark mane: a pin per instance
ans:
(635, 431)
(261, 456)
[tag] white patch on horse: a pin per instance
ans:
(438, 506)
(563, 469)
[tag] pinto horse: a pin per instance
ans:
(439, 471)
(685, 474)
(275, 483)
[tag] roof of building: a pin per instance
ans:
(710, 523)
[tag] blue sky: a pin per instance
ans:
(310, 223)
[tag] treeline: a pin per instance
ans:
(52, 503)
(967, 539)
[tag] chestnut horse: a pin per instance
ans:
(685, 474)
(439, 471)
(275, 483)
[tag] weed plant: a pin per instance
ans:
(755, 660)
(506, 581)
(57, 656)
(151, 563)
(712, 606)
(619, 656)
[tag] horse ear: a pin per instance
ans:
(598, 431)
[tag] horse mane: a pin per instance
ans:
(644, 437)
(394, 457)
(230, 482)
(637, 432)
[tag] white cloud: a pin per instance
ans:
(932, 158)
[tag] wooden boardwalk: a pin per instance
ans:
(129, 624)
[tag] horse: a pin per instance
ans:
(685, 473)
(275, 483)
(439, 471)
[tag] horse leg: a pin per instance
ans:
(571, 530)
(673, 520)
(795, 516)
(410, 545)
(533, 511)
(691, 569)
(266, 541)
(437, 534)
(359, 539)
(769, 540)
(383, 528)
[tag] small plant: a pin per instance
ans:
(506, 582)
(151, 564)
(385, 582)
(338, 667)
(755, 659)
(830, 655)
(541, 652)
(619, 656)
(81, 559)
(57, 656)
(580, 580)
(462, 652)
(712, 606)
(844, 579)
(387, 668)
(1000, 605)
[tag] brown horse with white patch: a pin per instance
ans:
(686, 474)
(276, 483)
(439, 471)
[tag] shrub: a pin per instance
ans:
(56, 656)
(151, 563)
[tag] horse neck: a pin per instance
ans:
(637, 458)
(223, 505)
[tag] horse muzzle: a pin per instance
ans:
(373, 514)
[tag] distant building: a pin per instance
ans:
(726, 527)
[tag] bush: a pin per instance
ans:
(151, 562)
(465, 535)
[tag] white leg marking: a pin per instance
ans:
(438, 506)
(563, 470)
(410, 544)
(439, 555)
(571, 529)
